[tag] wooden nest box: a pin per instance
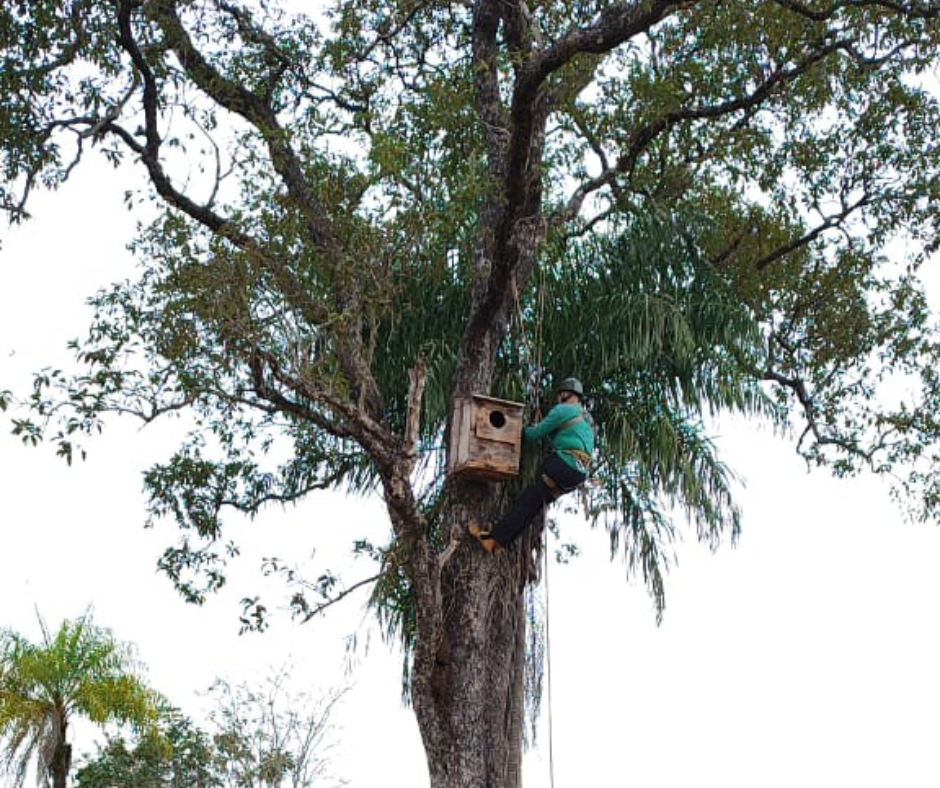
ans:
(485, 438)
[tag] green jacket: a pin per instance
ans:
(567, 426)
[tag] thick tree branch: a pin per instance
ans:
(616, 25)
(374, 438)
(256, 111)
(521, 32)
(149, 151)
(516, 140)
(241, 101)
(486, 19)
(529, 111)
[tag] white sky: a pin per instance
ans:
(806, 656)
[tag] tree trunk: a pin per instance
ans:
(469, 683)
(471, 723)
(61, 759)
(469, 695)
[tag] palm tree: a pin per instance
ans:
(78, 670)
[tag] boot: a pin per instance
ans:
(486, 539)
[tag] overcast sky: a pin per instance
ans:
(807, 656)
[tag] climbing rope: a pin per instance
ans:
(535, 378)
(548, 668)
(533, 355)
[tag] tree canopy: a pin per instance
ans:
(351, 220)
(174, 752)
(260, 734)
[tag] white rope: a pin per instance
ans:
(548, 669)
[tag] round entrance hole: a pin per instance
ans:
(497, 419)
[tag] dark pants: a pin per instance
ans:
(562, 478)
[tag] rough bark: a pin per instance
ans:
(468, 694)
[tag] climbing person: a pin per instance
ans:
(570, 430)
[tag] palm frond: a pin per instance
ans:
(78, 669)
(662, 343)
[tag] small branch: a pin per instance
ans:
(278, 62)
(798, 387)
(315, 611)
(113, 113)
(835, 220)
(917, 10)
